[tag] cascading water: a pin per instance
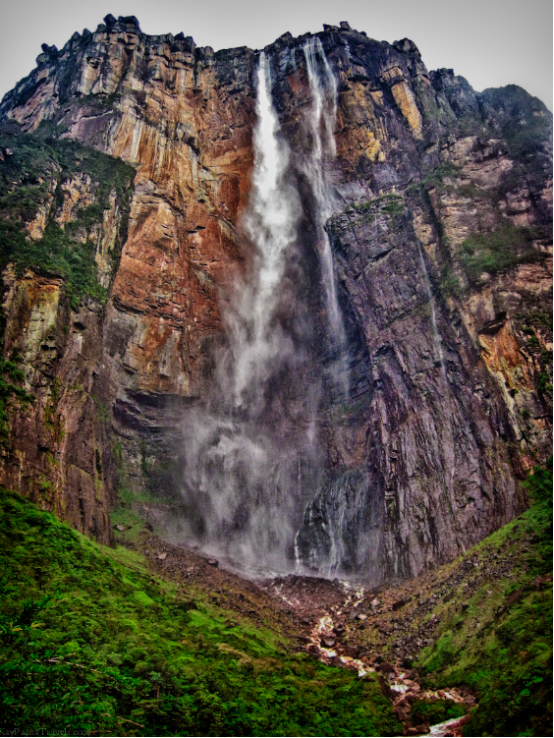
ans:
(436, 335)
(321, 124)
(251, 453)
(319, 151)
(270, 224)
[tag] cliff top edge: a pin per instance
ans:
(130, 25)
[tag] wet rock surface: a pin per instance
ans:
(443, 270)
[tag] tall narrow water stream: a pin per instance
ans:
(436, 335)
(252, 454)
(320, 123)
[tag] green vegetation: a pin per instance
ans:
(33, 177)
(443, 178)
(499, 641)
(102, 411)
(433, 713)
(10, 373)
(493, 252)
(450, 284)
(56, 254)
(126, 515)
(525, 125)
(367, 212)
(537, 317)
(544, 383)
(524, 121)
(436, 178)
(391, 204)
(92, 642)
(394, 206)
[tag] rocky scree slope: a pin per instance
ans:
(125, 166)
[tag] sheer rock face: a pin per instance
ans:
(449, 351)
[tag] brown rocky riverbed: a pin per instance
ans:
(340, 624)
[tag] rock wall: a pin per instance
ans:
(442, 257)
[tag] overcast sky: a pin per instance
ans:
(490, 42)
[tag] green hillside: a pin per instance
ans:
(495, 632)
(93, 642)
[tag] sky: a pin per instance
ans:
(489, 42)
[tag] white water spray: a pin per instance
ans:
(321, 125)
(270, 224)
(248, 450)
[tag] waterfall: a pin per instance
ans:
(315, 163)
(251, 451)
(321, 124)
(436, 335)
(270, 224)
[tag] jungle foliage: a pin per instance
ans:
(92, 642)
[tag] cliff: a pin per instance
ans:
(410, 386)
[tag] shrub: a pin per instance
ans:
(496, 251)
(435, 712)
(11, 378)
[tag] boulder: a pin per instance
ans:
(129, 20)
(400, 603)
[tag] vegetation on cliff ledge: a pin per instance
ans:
(11, 379)
(33, 170)
(498, 250)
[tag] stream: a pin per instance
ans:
(403, 690)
